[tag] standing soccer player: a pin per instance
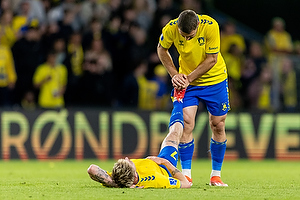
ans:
(202, 76)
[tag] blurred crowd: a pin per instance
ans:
(87, 53)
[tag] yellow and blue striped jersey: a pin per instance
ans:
(152, 175)
(193, 52)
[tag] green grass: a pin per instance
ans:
(267, 179)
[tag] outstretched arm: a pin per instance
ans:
(179, 81)
(101, 176)
(176, 173)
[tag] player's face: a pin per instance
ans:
(189, 36)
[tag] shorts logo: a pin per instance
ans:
(224, 106)
(172, 181)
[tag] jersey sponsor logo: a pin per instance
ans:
(148, 178)
(213, 48)
(201, 41)
(205, 21)
(181, 42)
(173, 23)
(161, 37)
(172, 181)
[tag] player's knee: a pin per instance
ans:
(217, 127)
(188, 126)
(92, 169)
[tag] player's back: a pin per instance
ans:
(152, 175)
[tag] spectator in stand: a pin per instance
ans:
(259, 92)
(27, 54)
(148, 89)
(8, 35)
(254, 63)
(278, 40)
(161, 77)
(65, 25)
(279, 45)
(144, 12)
(94, 88)
(8, 76)
(66, 12)
(22, 17)
(93, 9)
(75, 50)
(117, 43)
(229, 36)
(155, 33)
(5, 5)
(92, 32)
(234, 61)
(289, 86)
(129, 93)
(50, 79)
(139, 48)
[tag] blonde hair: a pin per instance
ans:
(123, 173)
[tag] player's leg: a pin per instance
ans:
(217, 148)
(169, 147)
(186, 145)
(218, 105)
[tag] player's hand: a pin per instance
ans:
(156, 159)
(180, 81)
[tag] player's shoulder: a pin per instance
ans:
(207, 20)
(172, 24)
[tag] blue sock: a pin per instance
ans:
(186, 152)
(177, 114)
(217, 150)
(170, 153)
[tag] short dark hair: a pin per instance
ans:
(187, 21)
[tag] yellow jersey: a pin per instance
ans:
(193, 52)
(151, 175)
(7, 67)
(48, 92)
(279, 40)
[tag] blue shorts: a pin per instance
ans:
(215, 97)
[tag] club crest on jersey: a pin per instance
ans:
(181, 42)
(201, 41)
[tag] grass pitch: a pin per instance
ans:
(269, 179)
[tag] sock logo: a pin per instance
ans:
(173, 155)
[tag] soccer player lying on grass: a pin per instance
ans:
(151, 172)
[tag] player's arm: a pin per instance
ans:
(176, 173)
(205, 66)
(101, 176)
(178, 80)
